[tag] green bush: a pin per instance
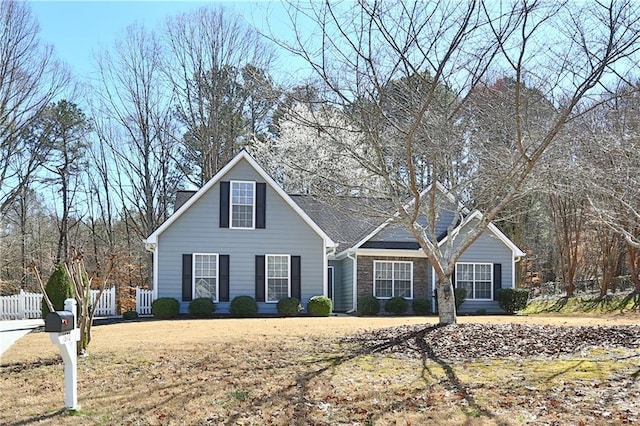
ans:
(512, 300)
(421, 306)
(289, 307)
(202, 307)
(129, 315)
(58, 288)
(165, 308)
(368, 306)
(396, 305)
(460, 295)
(319, 306)
(244, 307)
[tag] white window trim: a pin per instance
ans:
(253, 215)
(266, 276)
(474, 278)
(193, 274)
(393, 281)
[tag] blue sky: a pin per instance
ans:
(77, 29)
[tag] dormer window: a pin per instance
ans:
(242, 205)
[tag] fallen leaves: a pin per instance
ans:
(462, 342)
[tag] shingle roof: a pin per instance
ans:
(347, 220)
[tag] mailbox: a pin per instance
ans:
(59, 322)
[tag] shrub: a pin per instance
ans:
(165, 308)
(396, 305)
(58, 288)
(421, 306)
(202, 307)
(512, 300)
(319, 306)
(481, 312)
(244, 307)
(460, 295)
(129, 315)
(289, 307)
(368, 306)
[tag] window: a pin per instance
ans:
(476, 278)
(393, 279)
(277, 277)
(205, 276)
(242, 204)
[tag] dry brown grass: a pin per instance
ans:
(296, 371)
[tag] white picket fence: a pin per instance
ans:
(21, 306)
(29, 305)
(144, 298)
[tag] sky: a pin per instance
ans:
(78, 29)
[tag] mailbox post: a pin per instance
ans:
(64, 333)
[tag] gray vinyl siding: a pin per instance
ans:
(346, 286)
(399, 232)
(488, 249)
(197, 231)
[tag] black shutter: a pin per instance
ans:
(186, 278)
(295, 277)
(223, 275)
(261, 205)
(224, 204)
(497, 279)
(330, 278)
(260, 279)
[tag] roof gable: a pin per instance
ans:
(441, 189)
(243, 155)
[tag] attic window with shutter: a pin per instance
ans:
(242, 206)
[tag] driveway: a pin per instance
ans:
(12, 330)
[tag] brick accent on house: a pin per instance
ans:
(421, 274)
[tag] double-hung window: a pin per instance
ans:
(476, 278)
(242, 208)
(278, 277)
(205, 276)
(392, 279)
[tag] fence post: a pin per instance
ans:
(21, 305)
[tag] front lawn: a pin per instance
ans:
(331, 371)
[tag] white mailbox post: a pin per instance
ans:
(64, 332)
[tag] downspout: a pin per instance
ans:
(153, 248)
(352, 255)
(516, 259)
(433, 289)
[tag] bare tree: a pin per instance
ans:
(30, 79)
(218, 70)
(609, 159)
(136, 123)
(564, 51)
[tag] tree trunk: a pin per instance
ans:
(446, 302)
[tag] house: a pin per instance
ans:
(241, 234)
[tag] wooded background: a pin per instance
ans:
(95, 164)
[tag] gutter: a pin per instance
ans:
(352, 255)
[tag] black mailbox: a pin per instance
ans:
(59, 322)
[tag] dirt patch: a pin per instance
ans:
(327, 371)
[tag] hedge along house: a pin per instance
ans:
(384, 260)
(240, 234)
